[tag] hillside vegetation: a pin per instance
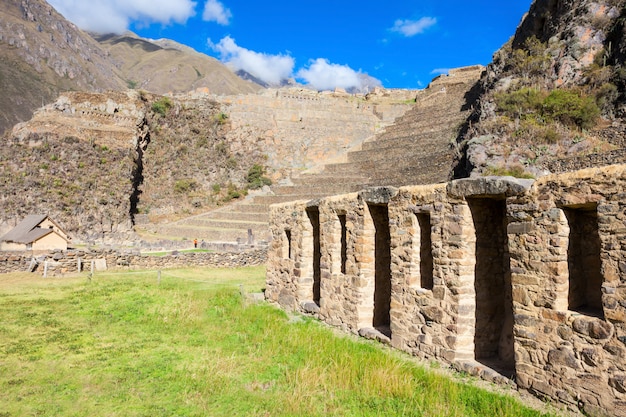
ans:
(101, 162)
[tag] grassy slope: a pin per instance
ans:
(123, 345)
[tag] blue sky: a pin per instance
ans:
(322, 43)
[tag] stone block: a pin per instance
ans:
(592, 327)
(563, 356)
(520, 228)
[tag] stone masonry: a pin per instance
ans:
(73, 261)
(517, 281)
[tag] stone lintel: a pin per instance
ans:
(313, 203)
(426, 208)
(378, 195)
(489, 187)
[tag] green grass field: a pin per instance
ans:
(189, 344)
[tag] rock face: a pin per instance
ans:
(572, 46)
(577, 29)
(509, 280)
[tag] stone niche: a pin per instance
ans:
(517, 281)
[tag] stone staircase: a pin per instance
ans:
(416, 149)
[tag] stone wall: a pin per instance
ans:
(302, 129)
(517, 281)
(68, 262)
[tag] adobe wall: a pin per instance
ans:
(517, 281)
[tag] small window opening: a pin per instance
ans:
(583, 261)
(344, 243)
(287, 247)
(425, 251)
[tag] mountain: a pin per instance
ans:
(42, 54)
(164, 66)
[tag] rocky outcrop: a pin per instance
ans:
(575, 31)
(574, 46)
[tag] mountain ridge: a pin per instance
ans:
(42, 54)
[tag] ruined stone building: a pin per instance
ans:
(508, 279)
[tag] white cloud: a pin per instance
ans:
(271, 69)
(323, 75)
(114, 16)
(410, 28)
(214, 11)
(439, 71)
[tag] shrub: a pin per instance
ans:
(162, 105)
(532, 59)
(221, 118)
(185, 185)
(571, 108)
(232, 193)
(520, 103)
(256, 177)
(606, 96)
(513, 171)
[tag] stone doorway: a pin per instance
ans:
(313, 214)
(493, 337)
(382, 268)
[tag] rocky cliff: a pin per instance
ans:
(553, 97)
